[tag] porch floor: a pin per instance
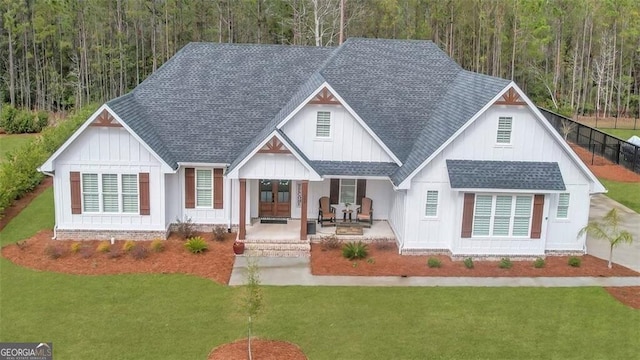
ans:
(380, 230)
(291, 231)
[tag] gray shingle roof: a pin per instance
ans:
(354, 168)
(513, 175)
(214, 103)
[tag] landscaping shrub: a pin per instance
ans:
(114, 254)
(434, 262)
(371, 261)
(157, 245)
(505, 263)
(353, 251)
(186, 228)
(86, 252)
(22, 244)
(575, 261)
(330, 243)
(539, 263)
(75, 247)
(139, 252)
(18, 175)
(196, 245)
(219, 232)
(104, 247)
(54, 251)
(468, 263)
(17, 121)
(128, 245)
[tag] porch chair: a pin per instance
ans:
(365, 212)
(326, 211)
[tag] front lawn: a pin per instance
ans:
(10, 143)
(626, 193)
(184, 317)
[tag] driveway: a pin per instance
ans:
(624, 254)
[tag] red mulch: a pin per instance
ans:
(628, 295)
(604, 168)
(18, 205)
(390, 263)
(215, 264)
(261, 349)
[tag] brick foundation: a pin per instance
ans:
(108, 234)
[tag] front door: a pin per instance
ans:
(275, 198)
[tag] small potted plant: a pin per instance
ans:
(238, 247)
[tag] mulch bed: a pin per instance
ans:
(261, 349)
(628, 295)
(604, 168)
(215, 264)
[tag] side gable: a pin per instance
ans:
(103, 117)
(327, 96)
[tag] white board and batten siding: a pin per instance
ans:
(274, 166)
(397, 215)
(109, 150)
(348, 140)
(530, 141)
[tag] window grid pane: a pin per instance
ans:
(90, 196)
(130, 193)
(110, 193)
(204, 191)
(504, 130)
(522, 216)
(347, 191)
(482, 215)
(563, 206)
(502, 220)
(431, 208)
(323, 124)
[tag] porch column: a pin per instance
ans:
(242, 232)
(303, 210)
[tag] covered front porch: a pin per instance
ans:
(378, 231)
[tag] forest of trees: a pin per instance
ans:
(572, 56)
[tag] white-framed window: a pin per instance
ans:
(110, 193)
(505, 125)
(431, 204)
(563, 206)
(204, 188)
(347, 191)
(502, 215)
(323, 124)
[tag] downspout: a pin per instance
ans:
(55, 224)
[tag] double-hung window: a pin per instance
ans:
(204, 188)
(504, 130)
(431, 206)
(563, 206)
(110, 193)
(347, 191)
(323, 124)
(502, 215)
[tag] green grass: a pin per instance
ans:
(184, 317)
(623, 134)
(626, 193)
(9, 143)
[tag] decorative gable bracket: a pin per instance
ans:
(324, 97)
(274, 146)
(510, 97)
(105, 119)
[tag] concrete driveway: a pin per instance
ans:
(624, 254)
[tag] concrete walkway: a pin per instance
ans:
(297, 271)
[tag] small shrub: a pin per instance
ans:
(86, 252)
(196, 245)
(22, 244)
(186, 228)
(384, 245)
(114, 253)
(434, 262)
(104, 247)
(54, 251)
(371, 261)
(157, 245)
(330, 243)
(353, 251)
(75, 247)
(128, 245)
(539, 263)
(505, 263)
(219, 233)
(468, 263)
(139, 252)
(575, 261)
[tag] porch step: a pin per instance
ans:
(275, 248)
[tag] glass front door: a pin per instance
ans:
(275, 198)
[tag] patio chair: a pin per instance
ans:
(326, 211)
(365, 212)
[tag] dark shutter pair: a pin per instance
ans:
(190, 188)
(334, 191)
(143, 193)
(467, 215)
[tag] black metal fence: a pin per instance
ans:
(597, 142)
